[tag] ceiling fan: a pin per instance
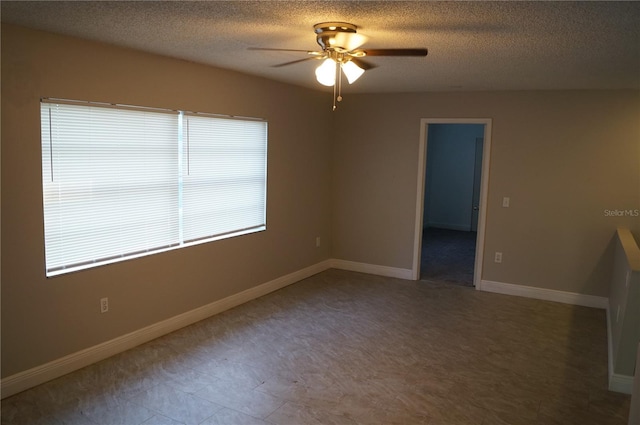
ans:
(341, 53)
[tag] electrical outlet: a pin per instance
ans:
(498, 257)
(317, 241)
(104, 305)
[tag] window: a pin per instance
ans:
(120, 182)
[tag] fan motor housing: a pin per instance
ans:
(326, 32)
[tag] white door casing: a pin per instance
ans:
(484, 187)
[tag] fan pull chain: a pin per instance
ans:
(340, 82)
(334, 97)
(339, 86)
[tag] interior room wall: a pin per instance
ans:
(451, 158)
(564, 158)
(45, 319)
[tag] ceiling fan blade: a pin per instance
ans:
(296, 61)
(363, 64)
(395, 52)
(277, 50)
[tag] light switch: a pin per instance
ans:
(505, 202)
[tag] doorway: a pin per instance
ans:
(451, 198)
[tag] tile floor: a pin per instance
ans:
(350, 348)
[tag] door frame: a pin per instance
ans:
(475, 197)
(484, 188)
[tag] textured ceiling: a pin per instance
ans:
(474, 45)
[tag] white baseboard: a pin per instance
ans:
(371, 269)
(621, 383)
(617, 383)
(544, 294)
(59, 367)
(40, 374)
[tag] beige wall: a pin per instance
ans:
(44, 319)
(563, 157)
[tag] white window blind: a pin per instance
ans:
(121, 182)
(225, 182)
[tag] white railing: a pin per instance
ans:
(624, 312)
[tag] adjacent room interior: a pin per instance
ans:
(452, 202)
(331, 305)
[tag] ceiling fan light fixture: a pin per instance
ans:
(352, 71)
(342, 54)
(326, 73)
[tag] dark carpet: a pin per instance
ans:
(448, 256)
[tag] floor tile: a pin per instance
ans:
(345, 347)
(108, 408)
(175, 404)
(233, 417)
(241, 398)
(232, 371)
(174, 373)
(296, 414)
(608, 403)
(22, 415)
(161, 420)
